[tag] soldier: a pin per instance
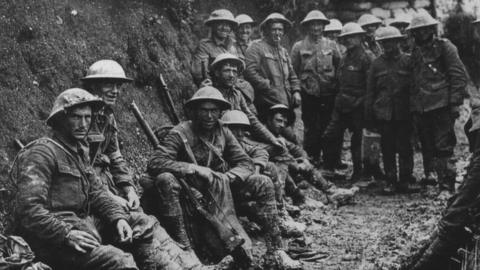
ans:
(204, 148)
(349, 103)
(238, 123)
(331, 31)
(66, 215)
(440, 80)
(105, 79)
(225, 69)
(221, 23)
(269, 68)
(243, 33)
(370, 24)
(387, 108)
(401, 22)
(294, 160)
(315, 60)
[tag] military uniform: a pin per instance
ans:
(206, 52)
(223, 154)
(56, 196)
(373, 46)
(349, 104)
(269, 70)
(241, 48)
(387, 104)
(440, 81)
(315, 63)
(109, 163)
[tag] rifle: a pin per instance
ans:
(229, 237)
(165, 92)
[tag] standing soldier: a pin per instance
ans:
(401, 22)
(269, 68)
(315, 60)
(243, 34)
(221, 23)
(204, 148)
(387, 108)
(331, 31)
(105, 79)
(440, 80)
(370, 24)
(352, 84)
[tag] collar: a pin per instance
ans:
(70, 145)
(355, 51)
(315, 41)
(394, 58)
(225, 43)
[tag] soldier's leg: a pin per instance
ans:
(355, 125)
(170, 209)
(445, 141)
(272, 171)
(405, 151)
(424, 126)
(333, 138)
(312, 110)
(388, 139)
(331, 151)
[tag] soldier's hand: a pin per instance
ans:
(206, 82)
(133, 201)
(121, 201)
(205, 173)
(258, 168)
(124, 231)
(81, 241)
(297, 99)
(280, 143)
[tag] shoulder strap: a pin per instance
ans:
(188, 149)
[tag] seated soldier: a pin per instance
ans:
(209, 152)
(65, 214)
(294, 159)
(238, 123)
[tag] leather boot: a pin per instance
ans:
(446, 174)
(175, 225)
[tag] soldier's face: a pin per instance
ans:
(244, 31)
(207, 115)
(424, 35)
(391, 46)
(276, 32)
(238, 131)
(315, 28)
(332, 34)
(108, 91)
(222, 29)
(227, 75)
(277, 123)
(370, 29)
(352, 41)
(78, 122)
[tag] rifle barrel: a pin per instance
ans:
(144, 125)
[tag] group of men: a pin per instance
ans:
(78, 206)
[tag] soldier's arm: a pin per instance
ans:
(241, 165)
(165, 159)
(295, 150)
(257, 154)
(370, 95)
(253, 57)
(200, 58)
(35, 169)
(456, 74)
(292, 76)
(101, 202)
(296, 58)
(118, 166)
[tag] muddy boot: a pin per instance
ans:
(279, 260)
(288, 226)
(446, 174)
(341, 196)
(175, 226)
(430, 178)
(436, 256)
(408, 184)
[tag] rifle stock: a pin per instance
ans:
(231, 240)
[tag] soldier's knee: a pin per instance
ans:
(113, 258)
(263, 185)
(167, 182)
(142, 225)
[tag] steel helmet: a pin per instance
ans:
(208, 93)
(221, 15)
(388, 32)
(106, 69)
(276, 17)
(368, 19)
(282, 108)
(420, 20)
(73, 97)
(227, 57)
(400, 20)
(235, 117)
(315, 15)
(243, 19)
(351, 28)
(334, 26)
